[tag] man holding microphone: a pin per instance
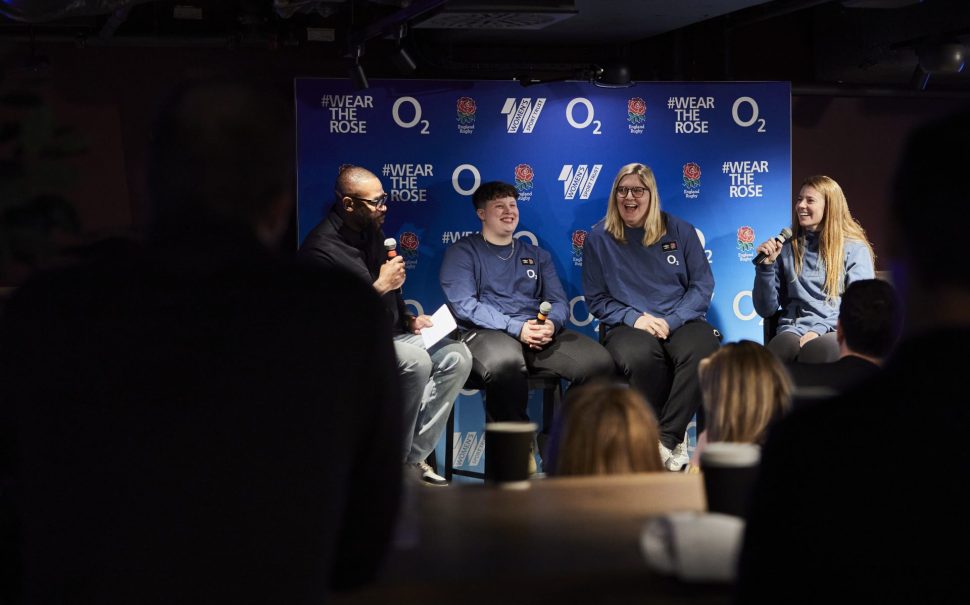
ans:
(496, 286)
(350, 237)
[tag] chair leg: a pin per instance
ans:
(450, 445)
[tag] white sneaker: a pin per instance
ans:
(427, 474)
(665, 453)
(679, 457)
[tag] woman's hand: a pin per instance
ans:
(771, 249)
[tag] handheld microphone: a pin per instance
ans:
(545, 308)
(390, 244)
(781, 238)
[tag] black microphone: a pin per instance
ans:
(781, 238)
(390, 244)
(545, 308)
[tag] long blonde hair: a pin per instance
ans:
(653, 226)
(837, 226)
(743, 387)
(606, 430)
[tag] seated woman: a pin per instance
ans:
(604, 430)
(744, 388)
(646, 278)
(806, 276)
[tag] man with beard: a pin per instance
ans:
(350, 237)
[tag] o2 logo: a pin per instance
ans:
(754, 113)
(476, 175)
(590, 112)
(736, 305)
(418, 309)
(707, 253)
(572, 312)
(527, 235)
(396, 114)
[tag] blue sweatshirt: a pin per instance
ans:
(484, 291)
(802, 296)
(671, 279)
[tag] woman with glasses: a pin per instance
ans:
(647, 280)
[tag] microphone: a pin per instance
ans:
(390, 244)
(545, 308)
(781, 238)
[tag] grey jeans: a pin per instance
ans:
(430, 382)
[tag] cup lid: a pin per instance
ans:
(512, 427)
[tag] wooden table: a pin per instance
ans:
(567, 540)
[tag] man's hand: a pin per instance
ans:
(416, 324)
(391, 277)
(535, 335)
(809, 336)
(653, 325)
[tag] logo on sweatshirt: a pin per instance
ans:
(578, 241)
(409, 243)
(745, 243)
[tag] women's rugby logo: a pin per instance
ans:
(466, 115)
(692, 180)
(409, 243)
(745, 243)
(636, 114)
(579, 240)
(523, 181)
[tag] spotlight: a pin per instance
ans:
(612, 76)
(403, 62)
(937, 58)
(356, 72)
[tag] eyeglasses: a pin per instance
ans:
(377, 203)
(636, 191)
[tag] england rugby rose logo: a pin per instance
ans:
(579, 240)
(409, 244)
(636, 110)
(466, 110)
(523, 177)
(692, 175)
(745, 238)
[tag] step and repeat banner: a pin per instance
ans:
(721, 153)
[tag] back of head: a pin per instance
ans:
(870, 317)
(606, 430)
(744, 388)
(929, 202)
(219, 151)
(493, 190)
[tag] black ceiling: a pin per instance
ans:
(875, 45)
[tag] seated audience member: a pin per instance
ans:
(647, 279)
(494, 284)
(175, 427)
(862, 498)
(744, 388)
(350, 238)
(605, 429)
(867, 329)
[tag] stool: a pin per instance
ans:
(551, 386)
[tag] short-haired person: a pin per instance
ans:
(861, 498)
(806, 276)
(350, 237)
(494, 284)
(867, 329)
(648, 280)
(745, 388)
(605, 429)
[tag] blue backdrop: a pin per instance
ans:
(721, 153)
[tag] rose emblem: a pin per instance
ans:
(692, 171)
(466, 105)
(745, 238)
(523, 177)
(579, 239)
(409, 242)
(636, 106)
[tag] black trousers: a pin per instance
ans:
(503, 364)
(824, 349)
(665, 371)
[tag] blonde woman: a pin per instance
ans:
(805, 277)
(646, 278)
(605, 430)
